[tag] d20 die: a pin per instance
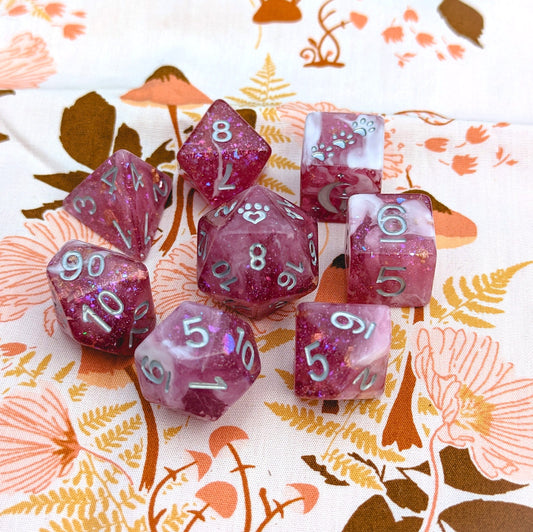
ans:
(123, 201)
(342, 155)
(257, 252)
(342, 350)
(199, 360)
(223, 155)
(390, 249)
(102, 298)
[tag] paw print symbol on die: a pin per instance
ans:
(254, 216)
(363, 126)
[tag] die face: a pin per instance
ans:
(342, 350)
(199, 360)
(342, 155)
(257, 252)
(223, 155)
(102, 298)
(123, 201)
(391, 251)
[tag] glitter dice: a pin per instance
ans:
(342, 155)
(102, 298)
(257, 252)
(123, 201)
(223, 155)
(199, 360)
(390, 249)
(342, 350)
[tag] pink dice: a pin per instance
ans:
(102, 298)
(390, 249)
(342, 155)
(199, 360)
(257, 252)
(123, 201)
(223, 155)
(342, 350)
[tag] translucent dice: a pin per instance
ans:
(342, 155)
(223, 155)
(390, 249)
(257, 252)
(102, 298)
(199, 360)
(123, 201)
(342, 350)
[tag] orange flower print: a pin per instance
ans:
(71, 31)
(25, 63)
(23, 262)
(393, 34)
(37, 441)
(425, 39)
(410, 15)
(358, 20)
(54, 9)
(437, 144)
(17, 11)
(476, 135)
(483, 407)
(464, 164)
(456, 51)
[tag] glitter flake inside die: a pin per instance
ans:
(199, 360)
(342, 350)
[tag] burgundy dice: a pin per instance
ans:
(342, 350)
(342, 155)
(223, 155)
(102, 298)
(123, 201)
(199, 360)
(390, 249)
(257, 252)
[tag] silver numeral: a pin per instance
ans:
(72, 261)
(382, 278)
(222, 273)
(150, 373)
(287, 279)
(365, 383)
(385, 218)
(81, 202)
(203, 339)
(320, 358)
(221, 131)
(257, 260)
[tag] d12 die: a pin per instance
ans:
(342, 350)
(342, 155)
(391, 251)
(199, 360)
(223, 155)
(257, 252)
(102, 298)
(123, 201)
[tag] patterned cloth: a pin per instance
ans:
(449, 446)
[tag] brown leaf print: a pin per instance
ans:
(462, 19)
(277, 11)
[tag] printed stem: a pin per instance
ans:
(241, 468)
(154, 519)
(198, 515)
(427, 525)
(152, 439)
(173, 233)
(173, 111)
(189, 211)
(349, 412)
(278, 510)
(109, 492)
(109, 461)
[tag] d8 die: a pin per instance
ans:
(102, 298)
(123, 201)
(342, 350)
(223, 155)
(199, 360)
(342, 155)
(391, 251)
(257, 253)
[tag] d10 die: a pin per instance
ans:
(223, 155)
(391, 251)
(199, 360)
(102, 298)
(123, 201)
(342, 350)
(257, 252)
(342, 155)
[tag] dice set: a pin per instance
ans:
(256, 251)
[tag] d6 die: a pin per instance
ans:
(257, 252)
(102, 298)
(223, 155)
(199, 360)
(342, 155)
(391, 251)
(342, 350)
(123, 201)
